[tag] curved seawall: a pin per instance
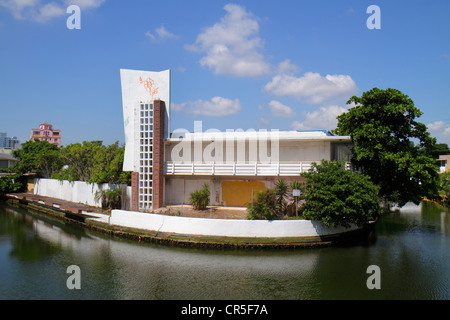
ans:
(230, 231)
(200, 232)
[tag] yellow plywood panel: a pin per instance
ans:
(239, 193)
(30, 185)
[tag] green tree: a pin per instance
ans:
(440, 149)
(93, 162)
(337, 196)
(79, 160)
(383, 128)
(40, 157)
(108, 162)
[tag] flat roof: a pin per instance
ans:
(293, 135)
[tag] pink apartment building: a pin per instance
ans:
(47, 133)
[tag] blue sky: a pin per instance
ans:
(257, 64)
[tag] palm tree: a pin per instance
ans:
(281, 192)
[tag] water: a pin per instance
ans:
(411, 248)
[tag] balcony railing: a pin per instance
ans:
(238, 169)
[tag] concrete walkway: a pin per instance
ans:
(57, 203)
(80, 209)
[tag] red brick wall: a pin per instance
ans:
(159, 112)
(135, 191)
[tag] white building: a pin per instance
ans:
(167, 167)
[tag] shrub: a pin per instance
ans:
(337, 196)
(199, 199)
(275, 203)
(110, 198)
(281, 192)
(265, 206)
(12, 184)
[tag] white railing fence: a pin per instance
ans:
(237, 168)
(287, 168)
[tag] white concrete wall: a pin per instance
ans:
(177, 191)
(222, 227)
(75, 191)
(305, 151)
(249, 151)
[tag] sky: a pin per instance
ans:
(254, 64)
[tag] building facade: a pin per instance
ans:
(444, 163)
(6, 159)
(167, 166)
(47, 133)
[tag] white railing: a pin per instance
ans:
(237, 168)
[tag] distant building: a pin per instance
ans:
(6, 159)
(8, 142)
(47, 133)
(444, 163)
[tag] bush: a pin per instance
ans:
(110, 198)
(337, 196)
(11, 184)
(265, 207)
(199, 199)
(274, 203)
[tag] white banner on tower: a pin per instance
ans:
(141, 87)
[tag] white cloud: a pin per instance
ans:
(161, 33)
(40, 11)
(280, 110)
(85, 4)
(18, 7)
(286, 67)
(216, 107)
(325, 118)
(440, 130)
(49, 11)
(231, 45)
(312, 86)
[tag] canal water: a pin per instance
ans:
(411, 249)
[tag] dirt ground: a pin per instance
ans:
(214, 212)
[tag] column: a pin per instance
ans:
(134, 191)
(159, 110)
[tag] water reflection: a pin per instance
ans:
(114, 268)
(411, 248)
(26, 245)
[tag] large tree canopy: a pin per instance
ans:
(89, 161)
(390, 146)
(37, 156)
(93, 162)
